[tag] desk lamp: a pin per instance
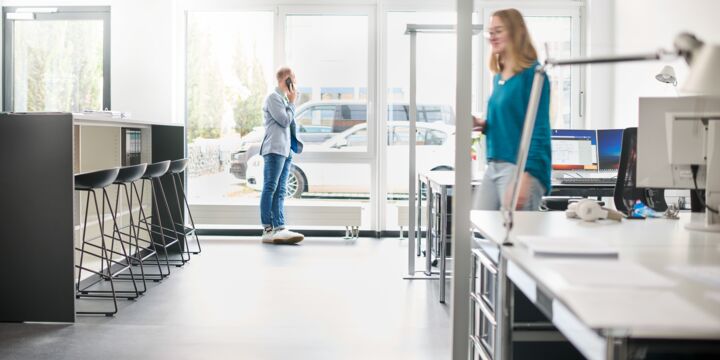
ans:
(704, 78)
(667, 75)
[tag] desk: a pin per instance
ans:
(575, 306)
(439, 186)
(38, 152)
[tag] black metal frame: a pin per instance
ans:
(182, 205)
(158, 231)
(105, 256)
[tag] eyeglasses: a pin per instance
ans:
(494, 32)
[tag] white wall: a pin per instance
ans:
(144, 60)
(645, 26)
(599, 38)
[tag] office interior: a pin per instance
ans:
(131, 139)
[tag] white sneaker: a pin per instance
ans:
(285, 236)
(267, 236)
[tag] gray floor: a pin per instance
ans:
(326, 299)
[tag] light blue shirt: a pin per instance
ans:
(280, 127)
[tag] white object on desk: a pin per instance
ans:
(567, 246)
(709, 274)
(644, 308)
(713, 296)
(608, 273)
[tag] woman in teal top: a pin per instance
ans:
(513, 61)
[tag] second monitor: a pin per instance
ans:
(609, 149)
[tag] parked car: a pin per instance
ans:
(319, 121)
(319, 170)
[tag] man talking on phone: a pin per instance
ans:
(279, 144)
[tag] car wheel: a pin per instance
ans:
(295, 184)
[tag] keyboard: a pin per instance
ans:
(588, 181)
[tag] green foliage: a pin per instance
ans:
(58, 65)
(205, 88)
(247, 108)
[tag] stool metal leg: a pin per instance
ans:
(103, 256)
(172, 223)
(181, 192)
(142, 219)
(147, 221)
(123, 266)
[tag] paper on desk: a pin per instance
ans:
(713, 296)
(567, 246)
(638, 308)
(709, 274)
(608, 273)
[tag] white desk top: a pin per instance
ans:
(96, 120)
(684, 304)
(442, 177)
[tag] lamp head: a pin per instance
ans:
(704, 75)
(686, 45)
(667, 75)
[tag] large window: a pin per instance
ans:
(229, 73)
(56, 59)
(231, 62)
(555, 33)
(435, 94)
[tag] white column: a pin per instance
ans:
(462, 197)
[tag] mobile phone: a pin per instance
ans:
(289, 84)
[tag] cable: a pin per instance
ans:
(694, 169)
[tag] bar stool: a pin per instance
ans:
(127, 176)
(90, 182)
(177, 167)
(163, 235)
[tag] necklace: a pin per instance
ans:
(501, 82)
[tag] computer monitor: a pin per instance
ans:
(574, 149)
(609, 148)
(678, 148)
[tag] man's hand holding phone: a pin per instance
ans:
(292, 95)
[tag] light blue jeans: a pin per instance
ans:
(498, 176)
(272, 200)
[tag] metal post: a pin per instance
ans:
(411, 160)
(442, 226)
(461, 249)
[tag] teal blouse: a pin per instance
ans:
(505, 118)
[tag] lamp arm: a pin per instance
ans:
(528, 126)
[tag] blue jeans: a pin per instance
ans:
(272, 200)
(498, 176)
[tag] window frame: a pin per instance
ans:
(60, 13)
(541, 9)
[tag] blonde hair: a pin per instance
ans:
(282, 73)
(519, 47)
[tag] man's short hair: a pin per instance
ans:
(282, 73)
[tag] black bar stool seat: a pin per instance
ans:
(178, 166)
(156, 170)
(96, 179)
(130, 173)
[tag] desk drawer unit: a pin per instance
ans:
(484, 327)
(485, 279)
(483, 302)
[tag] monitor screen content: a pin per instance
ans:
(609, 149)
(574, 149)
